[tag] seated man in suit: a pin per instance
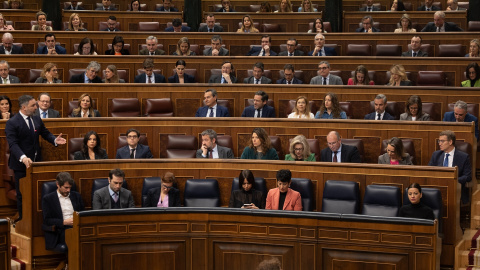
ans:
(210, 148)
(450, 156)
(452, 5)
(226, 7)
(43, 110)
(367, 25)
(50, 46)
(428, 6)
(152, 47)
(291, 48)
(460, 114)
(415, 44)
(133, 149)
(74, 6)
(369, 6)
(112, 24)
(289, 73)
(320, 49)
(58, 208)
(257, 77)
(211, 108)
(338, 152)
(380, 113)
(265, 49)
(89, 76)
(177, 26)
(113, 196)
(227, 76)
(8, 47)
(210, 25)
(167, 7)
(149, 76)
(259, 107)
(107, 6)
(324, 77)
(440, 25)
(216, 49)
(4, 73)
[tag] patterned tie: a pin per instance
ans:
(115, 197)
(44, 115)
(256, 81)
(210, 154)
(259, 113)
(445, 162)
(335, 156)
(132, 153)
(149, 79)
(324, 81)
(30, 124)
(211, 112)
(379, 116)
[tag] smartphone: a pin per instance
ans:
(247, 204)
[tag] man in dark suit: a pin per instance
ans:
(259, 109)
(428, 6)
(113, 196)
(367, 25)
(8, 47)
(369, 6)
(257, 78)
(56, 216)
(216, 49)
(133, 149)
(380, 113)
(265, 49)
(107, 6)
(50, 46)
(443, 158)
(452, 5)
(289, 73)
(152, 47)
(211, 108)
(226, 7)
(460, 114)
(167, 7)
(338, 152)
(74, 6)
(291, 48)
(89, 76)
(4, 74)
(44, 111)
(22, 132)
(440, 25)
(111, 24)
(320, 49)
(210, 25)
(227, 76)
(210, 148)
(415, 44)
(177, 26)
(149, 76)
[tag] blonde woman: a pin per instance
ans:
(49, 74)
(474, 48)
(398, 76)
(183, 48)
(300, 150)
(3, 24)
(75, 23)
(307, 6)
(247, 25)
(85, 107)
(301, 109)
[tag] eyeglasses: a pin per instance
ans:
(167, 187)
(442, 141)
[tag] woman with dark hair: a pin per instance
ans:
(413, 110)
(86, 47)
(91, 148)
(283, 197)
(415, 209)
(41, 25)
(473, 75)
(397, 5)
(117, 47)
(265, 7)
(75, 23)
(360, 77)
(260, 146)
(246, 196)
(111, 75)
(15, 4)
(284, 6)
(330, 108)
(85, 107)
(247, 25)
(395, 155)
(5, 108)
(180, 76)
(134, 5)
(405, 25)
(164, 196)
(183, 48)
(300, 150)
(317, 26)
(49, 74)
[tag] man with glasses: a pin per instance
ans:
(50, 46)
(289, 76)
(133, 149)
(324, 77)
(460, 114)
(149, 76)
(292, 49)
(112, 24)
(367, 25)
(8, 47)
(44, 111)
(227, 76)
(89, 76)
(113, 196)
(210, 148)
(320, 49)
(216, 49)
(380, 106)
(338, 152)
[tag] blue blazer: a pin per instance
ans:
(373, 116)
(184, 29)
(59, 49)
(328, 52)
(142, 151)
(142, 78)
(450, 117)
(255, 51)
(294, 81)
(221, 111)
(187, 78)
(267, 112)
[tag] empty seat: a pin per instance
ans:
(341, 197)
(359, 50)
(201, 193)
(450, 50)
(474, 26)
(158, 107)
(34, 74)
(432, 198)
(408, 147)
(74, 145)
(270, 27)
(75, 71)
(277, 144)
(305, 187)
(433, 109)
(357, 143)
(104, 25)
(388, 50)
(347, 107)
(225, 141)
(380, 200)
(124, 107)
(431, 78)
(260, 185)
(181, 146)
(149, 26)
(315, 148)
(149, 183)
(254, 8)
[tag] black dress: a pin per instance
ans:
(241, 197)
(418, 210)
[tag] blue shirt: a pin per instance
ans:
(325, 115)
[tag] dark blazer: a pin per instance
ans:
(101, 199)
(449, 27)
(294, 81)
(15, 49)
(80, 78)
(263, 80)
(450, 117)
(385, 159)
(22, 142)
(147, 52)
(172, 9)
(374, 8)
(361, 29)
(111, 8)
(115, 30)
(239, 197)
(221, 111)
(142, 78)
(223, 10)
(373, 116)
(221, 52)
(77, 8)
(216, 28)
(187, 78)
(255, 51)
(59, 49)
(112, 52)
(79, 155)
(328, 52)
(404, 83)
(43, 80)
(218, 79)
(295, 53)
(142, 151)
(420, 53)
(349, 154)
(51, 113)
(53, 216)
(13, 79)
(267, 112)
(95, 114)
(223, 152)
(432, 8)
(153, 196)
(184, 29)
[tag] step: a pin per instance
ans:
(18, 265)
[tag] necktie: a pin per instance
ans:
(211, 112)
(438, 29)
(379, 116)
(414, 54)
(335, 156)
(4, 80)
(44, 115)
(324, 81)
(152, 53)
(115, 197)
(210, 154)
(132, 153)
(210, 30)
(259, 113)
(89, 81)
(288, 82)
(30, 124)
(290, 54)
(369, 9)
(427, 9)
(445, 162)
(149, 79)
(256, 81)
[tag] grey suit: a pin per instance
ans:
(409, 53)
(221, 52)
(12, 79)
(263, 80)
(408, 117)
(333, 80)
(385, 159)
(223, 152)
(51, 113)
(101, 199)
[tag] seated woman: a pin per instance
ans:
(75, 23)
(302, 109)
(5, 108)
(284, 6)
(265, 7)
(246, 196)
(134, 5)
(117, 47)
(111, 75)
(164, 196)
(398, 76)
(405, 25)
(86, 47)
(49, 74)
(180, 76)
(85, 107)
(3, 24)
(395, 154)
(283, 197)
(317, 26)
(300, 150)
(260, 146)
(473, 75)
(307, 6)
(41, 25)
(15, 4)
(330, 108)
(397, 5)
(360, 77)
(413, 110)
(91, 148)
(416, 209)
(183, 48)
(247, 25)
(474, 48)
